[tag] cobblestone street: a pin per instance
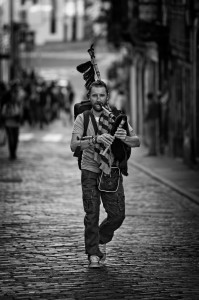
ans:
(154, 255)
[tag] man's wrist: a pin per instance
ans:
(97, 139)
(125, 139)
(94, 139)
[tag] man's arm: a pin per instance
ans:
(77, 134)
(132, 140)
(76, 141)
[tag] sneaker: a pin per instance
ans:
(102, 248)
(94, 261)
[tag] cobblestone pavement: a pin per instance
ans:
(170, 171)
(154, 255)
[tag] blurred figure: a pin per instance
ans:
(42, 91)
(64, 106)
(71, 95)
(67, 99)
(34, 104)
(2, 127)
(39, 100)
(3, 90)
(163, 120)
(113, 96)
(150, 119)
(27, 116)
(120, 101)
(11, 113)
(54, 100)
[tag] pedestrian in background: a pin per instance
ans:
(67, 98)
(65, 106)
(71, 96)
(120, 101)
(3, 90)
(150, 119)
(42, 92)
(11, 113)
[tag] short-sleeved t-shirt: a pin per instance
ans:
(88, 162)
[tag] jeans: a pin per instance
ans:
(114, 205)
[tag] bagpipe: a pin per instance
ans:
(120, 150)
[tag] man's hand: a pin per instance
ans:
(121, 134)
(105, 139)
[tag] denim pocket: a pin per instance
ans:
(91, 200)
(87, 200)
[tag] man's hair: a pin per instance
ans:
(98, 83)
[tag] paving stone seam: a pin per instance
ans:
(167, 182)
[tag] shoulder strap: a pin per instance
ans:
(86, 121)
(93, 122)
(88, 114)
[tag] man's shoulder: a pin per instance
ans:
(79, 118)
(82, 115)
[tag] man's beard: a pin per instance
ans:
(97, 107)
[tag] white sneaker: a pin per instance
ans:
(102, 248)
(94, 261)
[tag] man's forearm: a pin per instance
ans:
(84, 144)
(132, 141)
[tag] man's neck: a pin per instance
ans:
(96, 113)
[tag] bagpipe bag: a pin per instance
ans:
(120, 150)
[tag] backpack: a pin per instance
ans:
(79, 108)
(87, 115)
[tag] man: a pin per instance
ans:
(96, 237)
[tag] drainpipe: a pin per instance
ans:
(1, 37)
(12, 46)
(195, 32)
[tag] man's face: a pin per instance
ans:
(98, 96)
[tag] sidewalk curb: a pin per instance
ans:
(167, 182)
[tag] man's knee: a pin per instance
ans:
(121, 218)
(117, 220)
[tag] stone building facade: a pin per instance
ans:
(164, 37)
